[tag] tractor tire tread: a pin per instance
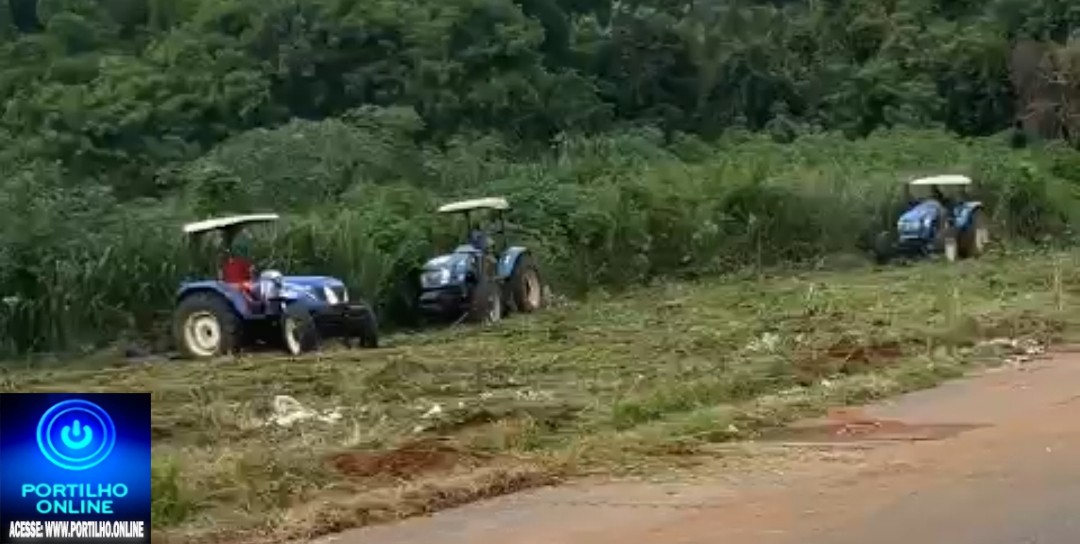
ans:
(518, 292)
(479, 306)
(368, 330)
(309, 333)
(231, 329)
(966, 242)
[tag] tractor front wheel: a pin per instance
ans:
(367, 329)
(485, 306)
(525, 287)
(883, 247)
(205, 326)
(298, 331)
(951, 245)
(973, 240)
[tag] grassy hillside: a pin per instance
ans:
(616, 383)
(619, 128)
(607, 212)
(643, 143)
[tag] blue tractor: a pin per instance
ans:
(937, 222)
(238, 309)
(484, 278)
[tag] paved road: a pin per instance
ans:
(1009, 475)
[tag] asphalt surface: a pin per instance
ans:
(993, 459)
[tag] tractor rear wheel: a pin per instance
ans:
(975, 237)
(298, 331)
(367, 329)
(525, 286)
(205, 326)
(486, 304)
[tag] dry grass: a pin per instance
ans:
(614, 384)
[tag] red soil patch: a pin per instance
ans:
(406, 462)
(870, 431)
(847, 356)
(848, 425)
(846, 350)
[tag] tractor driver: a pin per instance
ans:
(940, 197)
(481, 240)
(935, 191)
(480, 237)
(946, 203)
(238, 269)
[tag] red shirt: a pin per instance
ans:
(236, 270)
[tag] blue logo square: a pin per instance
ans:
(75, 467)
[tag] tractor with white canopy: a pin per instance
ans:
(484, 278)
(941, 218)
(220, 315)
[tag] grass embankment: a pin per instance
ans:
(607, 212)
(605, 385)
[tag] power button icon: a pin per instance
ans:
(76, 434)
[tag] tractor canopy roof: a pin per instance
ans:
(948, 179)
(490, 203)
(220, 223)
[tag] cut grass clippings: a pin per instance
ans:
(612, 385)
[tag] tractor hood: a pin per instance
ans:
(919, 219)
(320, 288)
(310, 282)
(459, 257)
(448, 269)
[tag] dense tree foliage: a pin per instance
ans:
(122, 115)
(114, 89)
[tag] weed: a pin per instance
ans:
(630, 380)
(170, 504)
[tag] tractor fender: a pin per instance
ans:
(964, 212)
(235, 298)
(509, 260)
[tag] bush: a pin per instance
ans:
(79, 268)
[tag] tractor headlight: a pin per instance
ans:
(330, 295)
(435, 278)
(460, 270)
(908, 226)
(271, 284)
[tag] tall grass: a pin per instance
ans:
(78, 269)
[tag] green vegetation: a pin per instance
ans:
(642, 380)
(605, 212)
(673, 152)
(619, 128)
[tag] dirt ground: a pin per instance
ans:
(989, 459)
